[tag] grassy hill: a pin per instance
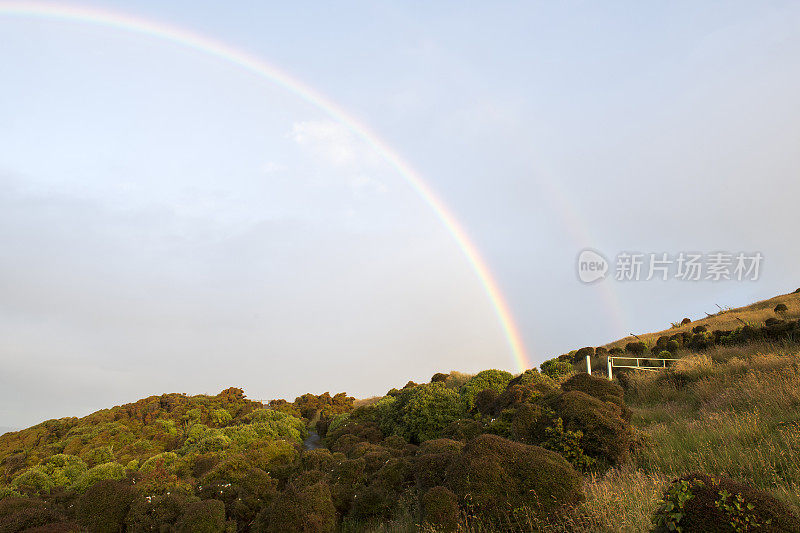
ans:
(726, 319)
(711, 443)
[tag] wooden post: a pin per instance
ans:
(609, 363)
(588, 364)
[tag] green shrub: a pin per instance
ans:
(20, 514)
(580, 355)
(493, 475)
(699, 502)
(303, 510)
(463, 429)
(606, 435)
(664, 355)
(686, 321)
(156, 513)
(495, 380)
(207, 516)
(440, 509)
(102, 508)
(567, 444)
(35, 480)
(556, 369)
(106, 471)
(422, 412)
(244, 488)
(781, 308)
(616, 351)
(636, 348)
(594, 386)
(673, 346)
(434, 458)
(64, 469)
(439, 377)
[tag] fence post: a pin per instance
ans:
(588, 364)
(609, 363)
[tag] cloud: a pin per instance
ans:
(335, 144)
(330, 140)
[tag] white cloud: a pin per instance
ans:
(329, 140)
(335, 144)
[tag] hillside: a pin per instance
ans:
(727, 319)
(556, 450)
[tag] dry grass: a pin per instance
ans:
(724, 413)
(730, 319)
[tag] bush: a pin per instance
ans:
(19, 514)
(594, 386)
(156, 513)
(463, 430)
(581, 354)
(106, 471)
(422, 412)
(64, 469)
(781, 308)
(699, 329)
(772, 321)
(495, 380)
(673, 346)
(207, 516)
(434, 458)
(664, 355)
(437, 377)
(636, 348)
(306, 510)
(104, 506)
(33, 481)
(686, 321)
(606, 435)
(699, 502)
(440, 509)
(556, 369)
(493, 475)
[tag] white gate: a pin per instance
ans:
(638, 366)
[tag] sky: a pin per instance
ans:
(171, 222)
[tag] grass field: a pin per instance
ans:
(728, 319)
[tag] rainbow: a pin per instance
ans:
(264, 70)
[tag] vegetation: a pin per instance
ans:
(711, 443)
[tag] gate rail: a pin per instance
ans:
(637, 366)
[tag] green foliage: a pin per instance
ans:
(673, 346)
(207, 516)
(494, 476)
(781, 308)
(671, 511)
(104, 506)
(636, 348)
(495, 380)
(421, 412)
(221, 417)
(699, 502)
(64, 469)
(568, 445)
(440, 509)
(607, 437)
(303, 509)
(35, 480)
(25, 514)
(556, 369)
(105, 471)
